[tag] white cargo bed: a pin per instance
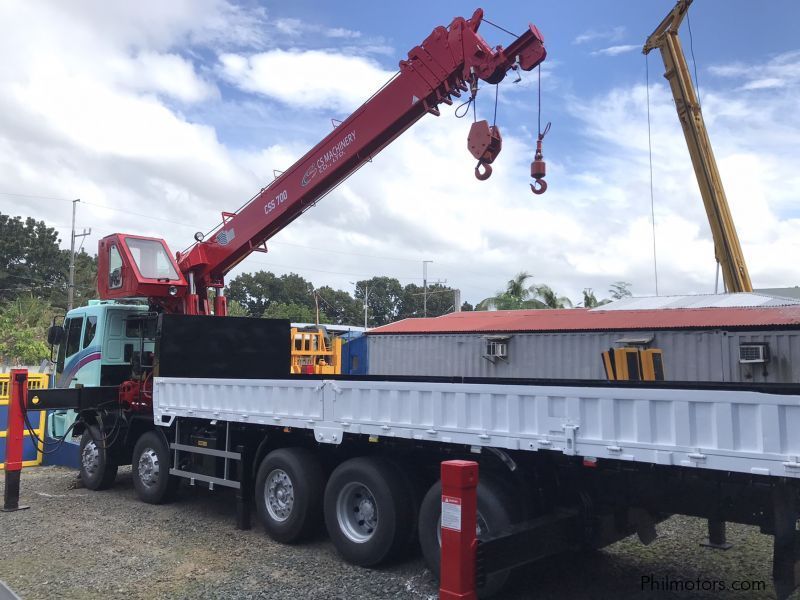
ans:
(741, 431)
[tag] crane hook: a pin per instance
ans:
(538, 167)
(487, 171)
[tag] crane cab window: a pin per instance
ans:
(114, 268)
(151, 259)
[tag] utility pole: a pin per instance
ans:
(71, 284)
(425, 287)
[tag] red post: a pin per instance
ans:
(459, 542)
(17, 402)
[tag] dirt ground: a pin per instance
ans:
(74, 543)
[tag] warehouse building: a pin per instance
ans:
(732, 337)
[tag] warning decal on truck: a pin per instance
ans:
(451, 513)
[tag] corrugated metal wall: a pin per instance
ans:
(688, 355)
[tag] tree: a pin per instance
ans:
(296, 290)
(23, 329)
(590, 299)
(547, 296)
(412, 301)
(297, 313)
(340, 306)
(30, 259)
(620, 290)
(517, 295)
(384, 299)
(236, 310)
(255, 291)
(466, 307)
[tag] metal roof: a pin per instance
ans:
(581, 319)
(741, 300)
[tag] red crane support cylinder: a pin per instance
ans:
(459, 541)
(17, 402)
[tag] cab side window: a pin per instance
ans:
(114, 268)
(89, 332)
(74, 336)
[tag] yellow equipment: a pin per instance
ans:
(727, 250)
(633, 364)
(316, 352)
(36, 381)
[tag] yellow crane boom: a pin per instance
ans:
(727, 249)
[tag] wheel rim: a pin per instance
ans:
(279, 495)
(90, 458)
(148, 467)
(357, 512)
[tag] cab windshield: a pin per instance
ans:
(151, 259)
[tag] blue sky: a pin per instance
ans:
(161, 115)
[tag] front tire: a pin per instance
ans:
(150, 469)
(98, 471)
(369, 511)
(289, 488)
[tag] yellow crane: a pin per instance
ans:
(727, 249)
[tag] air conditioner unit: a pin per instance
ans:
(496, 347)
(754, 353)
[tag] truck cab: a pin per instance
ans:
(96, 348)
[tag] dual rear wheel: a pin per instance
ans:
(371, 506)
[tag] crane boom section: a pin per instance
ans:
(727, 249)
(447, 63)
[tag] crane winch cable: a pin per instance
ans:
(650, 155)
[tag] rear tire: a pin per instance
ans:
(369, 511)
(497, 509)
(289, 486)
(150, 469)
(98, 471)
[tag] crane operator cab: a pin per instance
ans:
(132, 266)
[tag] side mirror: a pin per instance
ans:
(55, 333)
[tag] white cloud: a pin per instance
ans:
(616, 50)
(306, 79)
(593, 35)
(780, 71)
(105, 107)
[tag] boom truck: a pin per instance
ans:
(184, 395)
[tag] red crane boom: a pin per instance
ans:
(450, 61)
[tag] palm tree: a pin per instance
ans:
(516, 296)
(548, 297)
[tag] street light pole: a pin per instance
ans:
(425, 287)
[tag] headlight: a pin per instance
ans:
(173, 291)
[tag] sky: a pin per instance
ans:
(161, 115)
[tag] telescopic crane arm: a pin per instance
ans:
(727, 249)
(448, 63)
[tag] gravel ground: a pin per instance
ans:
(73, 543)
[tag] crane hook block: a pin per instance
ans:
(538, 170)
(484, 143)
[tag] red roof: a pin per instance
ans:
(582, 319)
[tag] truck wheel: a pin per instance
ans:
(98, 471)
(497, 509)
(369, 512)
(289, 487)
(150, 468)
